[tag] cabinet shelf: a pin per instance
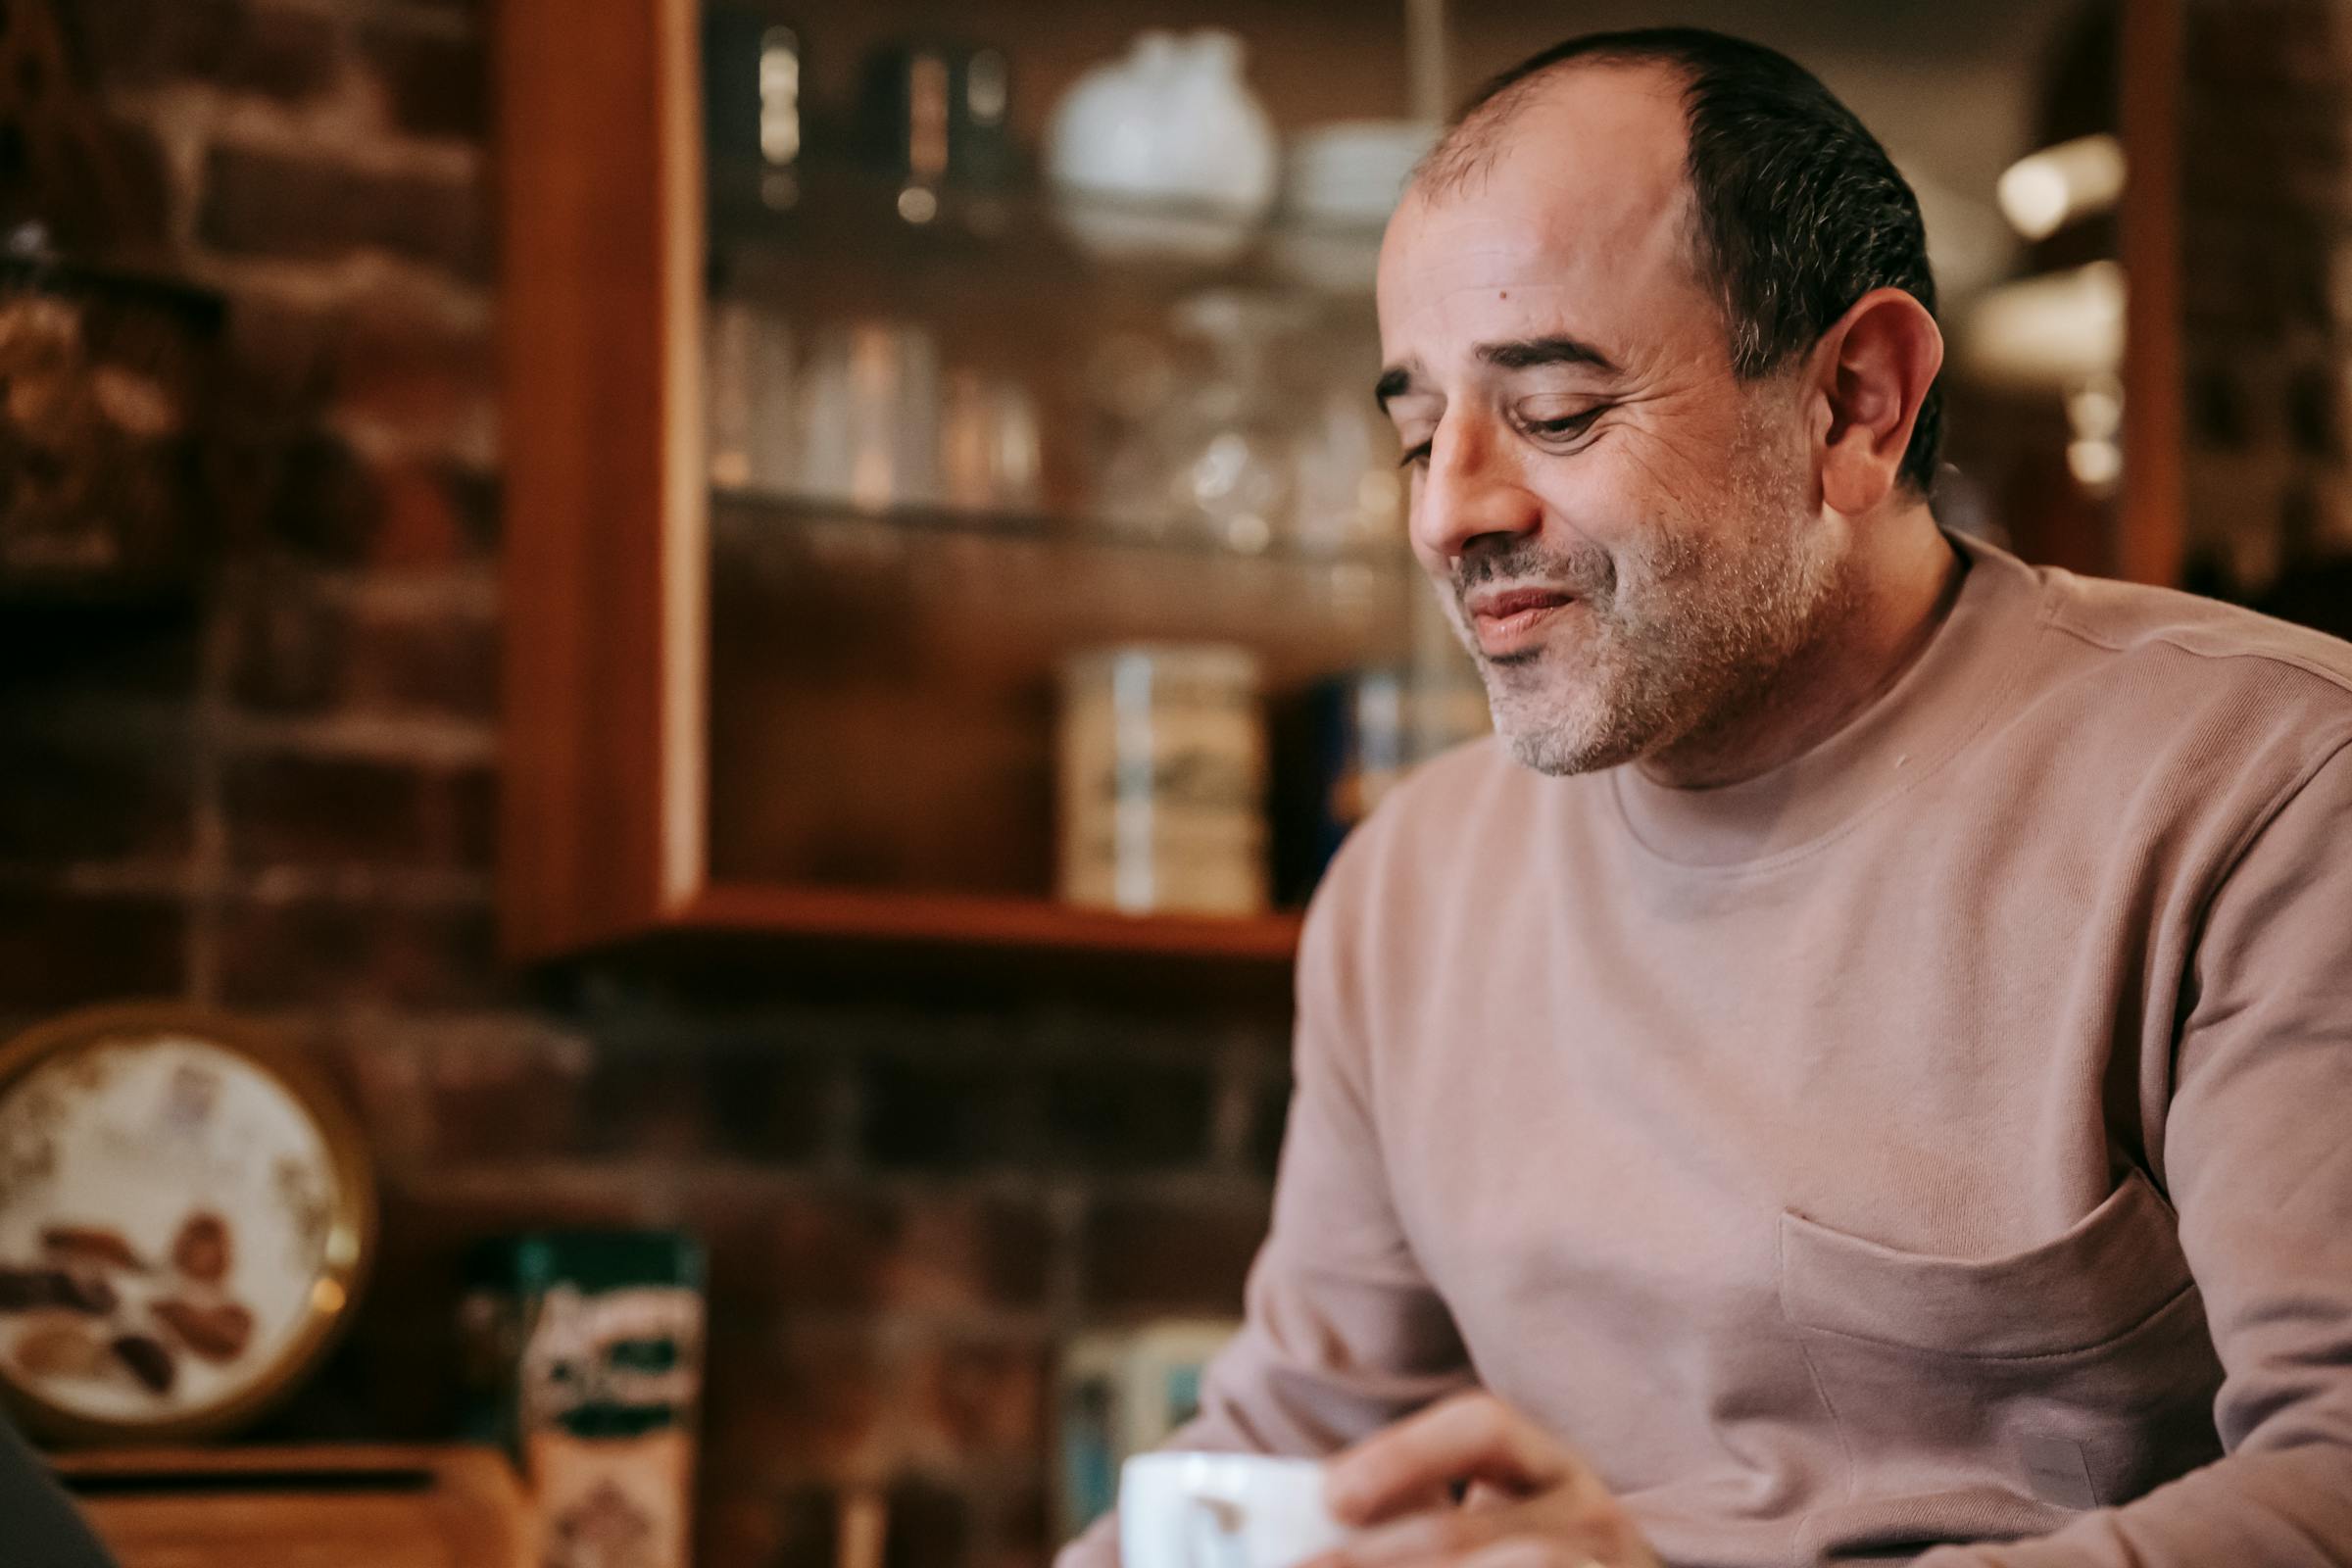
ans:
(750, 937)
(1008, 924)
(740, 516)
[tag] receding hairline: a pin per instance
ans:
(1475, 144)
(1475, 141)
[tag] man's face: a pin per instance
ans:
(1629, 539)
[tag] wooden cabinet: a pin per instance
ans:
(738, 707)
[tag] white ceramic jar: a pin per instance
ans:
(1164, 149)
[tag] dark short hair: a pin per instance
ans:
(1799, 210)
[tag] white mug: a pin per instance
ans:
(1222, 1510)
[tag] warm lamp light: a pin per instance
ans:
(2043, 192)
(2055, 331)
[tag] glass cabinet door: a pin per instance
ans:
(1056, 544)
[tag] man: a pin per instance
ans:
(1857, 1070)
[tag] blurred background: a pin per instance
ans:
(743, 628)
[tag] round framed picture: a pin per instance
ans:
(186, 1213)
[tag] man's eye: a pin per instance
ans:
(1564, 425)
(1416, 456)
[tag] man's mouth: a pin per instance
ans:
(1514, 620)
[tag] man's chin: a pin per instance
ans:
(1559, 727)
(1580, 743)
(1558, 757)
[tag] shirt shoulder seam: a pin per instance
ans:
(2337, 744)
(2056, 619)
(2225, 869)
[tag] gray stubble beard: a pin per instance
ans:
(1701, 655)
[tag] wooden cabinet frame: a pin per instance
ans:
(606, 515)
(605, 813)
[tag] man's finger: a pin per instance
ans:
(1523, 1552)
(1470, 1437)
(1446, 1536)
(1455, 1539)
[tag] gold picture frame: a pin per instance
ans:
(348, 1246)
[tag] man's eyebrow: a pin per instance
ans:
(1525, 353)
(1514, 353)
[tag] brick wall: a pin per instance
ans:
(280, 799)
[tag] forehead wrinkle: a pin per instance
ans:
(1573, 256)
(1520, 289)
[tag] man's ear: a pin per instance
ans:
(1871, 369)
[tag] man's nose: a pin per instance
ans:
(1471, 490)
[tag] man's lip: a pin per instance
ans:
(1501, 604)
(1511, 620)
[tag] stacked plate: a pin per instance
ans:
(1340, 182)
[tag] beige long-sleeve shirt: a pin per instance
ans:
(1942, 1144)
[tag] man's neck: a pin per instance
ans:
(1900, 584)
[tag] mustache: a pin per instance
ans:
(1588, 573)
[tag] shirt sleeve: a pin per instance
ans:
(1342, 1335)
(2258, 1158)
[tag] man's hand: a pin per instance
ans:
(1530, 1503)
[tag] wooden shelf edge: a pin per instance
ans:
(1039, 926)
(325, 1459)
(746, 519)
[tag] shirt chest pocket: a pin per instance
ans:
(2079, 1372)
